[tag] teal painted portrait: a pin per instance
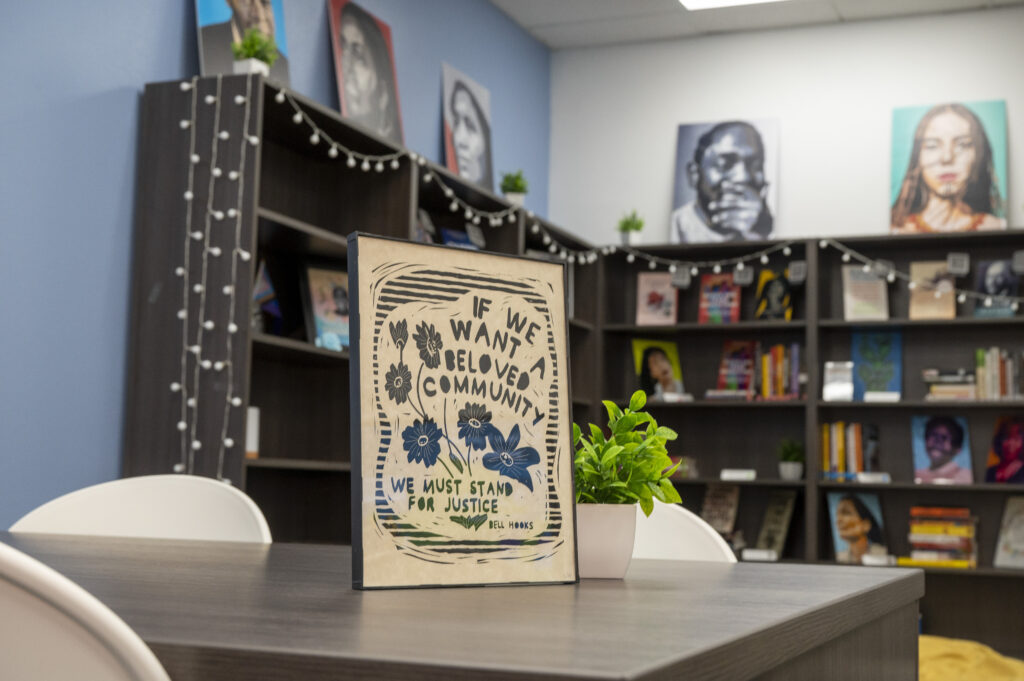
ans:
(949, 168)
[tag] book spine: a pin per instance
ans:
(939, 512)
(794, 370)
(979, 373)
(858, 447)
(766, 376)
(841, 447)
(825, 450)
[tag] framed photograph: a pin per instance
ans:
(326, 306)
(725, 187)
(1006, 454)
(942, 449)
(656, 299)
(364, 66)
(948, 169)
(467, 127)
(462, 450)
(996, 279)
(657, 368)
(223, 22)
(774, 297)
(857, 526)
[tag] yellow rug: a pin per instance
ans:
(955, 659)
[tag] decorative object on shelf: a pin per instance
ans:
(1005, 462)
(629, 227)
(514, 187)
(949, 185)
(630, 466)
(724, 186)
(1010, 545)
(736, 372)
(942, 450)
(252, 433)
(254, 53)
(877, 365)
(857, 526)
(958, 264)
(719, 299)
(719, 508)
(996, 281)
(656, 299)
(778, 513)
(774, 300)
(364, 68)
(837, 384)
(931, 291)
(658, 370)
(865, 296)
(791, 459)
(266, 311)
(943, 537)
(461, 466)
(326, 306)
(467, 127)
(457, 239)
(222, 25)
(849, 451)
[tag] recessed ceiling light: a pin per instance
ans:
(694, 5)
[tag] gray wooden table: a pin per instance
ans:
(212, 610)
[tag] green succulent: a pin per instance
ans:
(256, 45)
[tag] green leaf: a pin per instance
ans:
(637, 401)
(614, 413)
(455, 461)
(624, 424)
(596, 435)
(666, 433)
(671, 493)
(575, 435)
(609, 456)
(646, 505)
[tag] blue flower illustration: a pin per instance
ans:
(510, 459)
(398, 381)
(422, 441)
(475, 425)
(399, 333)
(428, 342)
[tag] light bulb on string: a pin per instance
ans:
(297, 118)
(764, 259)
(717, 269)
(552, 248)
(535, 228)
(866, 269)
(379, 167)
(891, 277)
(694, 271)
(911, 285)
(209, 99)
(988, 301)
(962, 298)
(185, 86)
(672, 268)
(394, 164)
(314, 139)
(740, 266)
(351, 161)
(365, 167)
(787, 251)
(652, 265)
(223, 134)
(239, 99)
(427, 177)
(823, 244)
(476, 219)
(546, 239)
(254, 140)
(279, 97)
(453, 206)
(511, 218)
(846, 257)
(333, 151)
(630, 258)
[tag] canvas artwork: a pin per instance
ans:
(1005, 461)
(934, 294)
(997, 279)
(725, 184)
(942, 450)
(364, 66)
(656, 299)
(774, 299)
(462, 441)
(865, 295)
(857, 526)
(877, 365)
(719, 299)
(466, 117)
(326, 307)
(657, 368)
(223, 22)
(948, 169)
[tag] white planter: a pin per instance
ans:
(629, 238)
(251, 66)
(791, 470)
(515, 198)
(604, 535)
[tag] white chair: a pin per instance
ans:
(673, 533)
(155, 507)
(53, 629)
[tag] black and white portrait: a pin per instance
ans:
(724, 189)
(996, 279)
(223, 22)
(467, 127)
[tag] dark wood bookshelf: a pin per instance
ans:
(281, 233)
(696, 327)
(990, 487)
(759, 482)
(291, 349)
(718, 404)
(901, 323)
(935, 405)
(301, 464)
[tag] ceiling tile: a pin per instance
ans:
(877, 9)
(773, 15)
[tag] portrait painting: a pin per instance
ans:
(857, 526)
(325, 291)
(223, 22)
(774, 298)
(948, 170)
(657, 368)
(462, 450)
(942, 450)
(725, 184)
(1006, 455)
(997, 280)
(467, 127)
(364, 67)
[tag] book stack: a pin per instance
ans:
(950, 384)
(779, 374)
(942, 537)
(997, 374)
(848, 449)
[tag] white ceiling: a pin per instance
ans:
(580, 23)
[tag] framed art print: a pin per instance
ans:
(325, 294)
(466, 122)
(222, 22)
(461, 422)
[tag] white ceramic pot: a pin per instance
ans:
(604, 535)
(791, 470)
(251, 66)
(628, 238)
(515, 198)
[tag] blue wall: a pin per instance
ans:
(68, 125)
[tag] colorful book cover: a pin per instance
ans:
(1010, 545)
(774, 298)
(719, 299)
(942, 450)
(657, 367)
(656, 299)
(865, 295)
(996, 279)
(458, 239)
(720, 505)
(736, 368)
(877, 363)
(777, 515)
(933, 295)
(1006, 455)
(857, 528)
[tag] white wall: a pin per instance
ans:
(615, 110)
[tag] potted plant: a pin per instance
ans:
(613, 474)
(791, 459)
(256, 52)
(514, 187)
(629, 226)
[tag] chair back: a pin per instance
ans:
(155, 507)
(673, 533)
(53, 629)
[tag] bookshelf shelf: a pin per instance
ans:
(721, 404)
(911, 323)
(280, 233)
(300, 464)
(992, 488)
(696, 327)
(941, 405)
(290, 349)
(761, 482)
(581, 324)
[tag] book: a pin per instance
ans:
(932, 295)
(458, 239)
(657, 368)
(719, 299)
(1005, 463)
(775, 525)
(941, 450)
(996, 279)
(656, 299)
(1010, 545)
(837, 383)
(774, 299)
(865, 295)
(877, 365)
(720, 505)
(736, 367)
(857, 526)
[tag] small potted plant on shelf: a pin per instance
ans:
(514, 187)
(791, 459)
(256, 52)
(629, 226)
(613, 474)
